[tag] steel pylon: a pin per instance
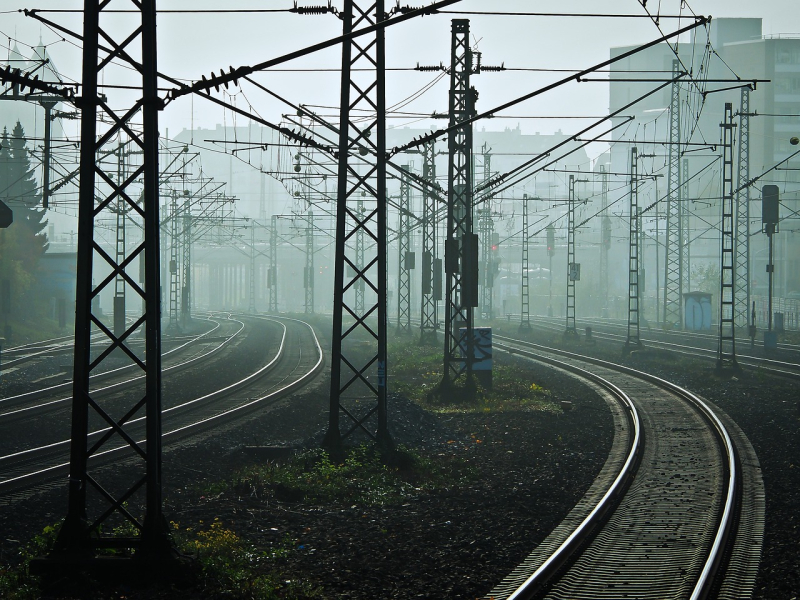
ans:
(96, 506)
(431, 263)
(461, 245)
(358, 389)
(405, 257)
(674, 235)
(741, 234)
(634, 295)
(726, 350)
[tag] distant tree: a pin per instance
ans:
(25, 241)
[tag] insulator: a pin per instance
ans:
(427, 69)
(312, 10)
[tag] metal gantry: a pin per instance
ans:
(431, 263)
(461, 245)
(673, 277)
(405, 256)
(358, 355)
(741, 234)
(525, 292)
(97, 507)
(633, 339)
(726, 351)
(572, 266)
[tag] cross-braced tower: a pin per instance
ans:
(461, 245)
(674, 236)
(96, 506)
(358, 354)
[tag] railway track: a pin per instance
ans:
(701, 346)
(296, 358)
(676, 512)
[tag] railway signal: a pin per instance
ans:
(6, 215)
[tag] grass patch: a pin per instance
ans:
(229, 567)
(417, 372)
(225, 566)
(365, 477)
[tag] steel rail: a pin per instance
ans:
(706, 579)
(768, 365)
(36, 394)
(39, 475)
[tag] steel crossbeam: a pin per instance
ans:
(673, 265)
(633, 339)
(96, 505)
(358, 356)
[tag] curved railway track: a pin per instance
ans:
(677, 511)
(698, 345)
(293, 361)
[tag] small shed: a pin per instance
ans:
(697, 311)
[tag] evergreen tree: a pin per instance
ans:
(24, 242)
(24, 198)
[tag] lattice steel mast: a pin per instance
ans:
(309, 268)
(572, 267)
(726, 351)
(174, 257)
(525, 293)
(90, 521)
(486, 229)
(358, 378)
(461, 245)
(674, 230)
(431, 264)
(405, 258)
(272, 273)
(741, 234)
(633, 338)
(605, 240)
(186, 263)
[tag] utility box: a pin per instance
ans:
(482, 353)
(697, 311)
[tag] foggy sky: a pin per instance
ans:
(197, 44)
